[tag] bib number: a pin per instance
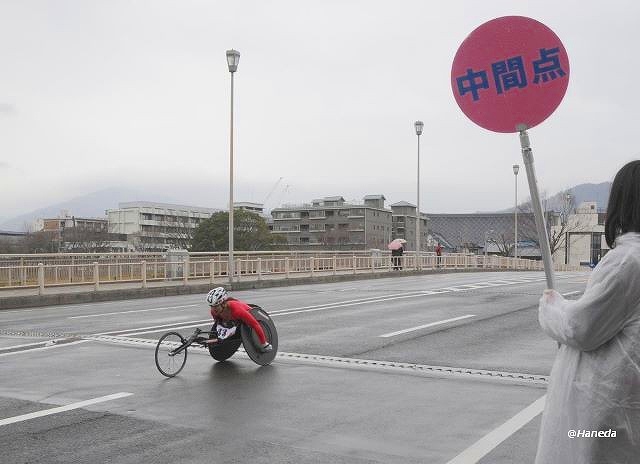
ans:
(224, 332)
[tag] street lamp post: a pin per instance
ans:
(565, 222)
(419, 125)
(516, 168)
(233, 57)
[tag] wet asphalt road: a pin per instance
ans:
(302, 408)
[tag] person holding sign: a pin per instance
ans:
(594, 389)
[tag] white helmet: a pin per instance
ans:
(216, 296)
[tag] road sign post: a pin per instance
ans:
(509, 75)
(541, 226)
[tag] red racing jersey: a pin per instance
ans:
(240, 311)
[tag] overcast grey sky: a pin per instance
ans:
(98, 94)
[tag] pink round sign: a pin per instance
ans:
(509, 72)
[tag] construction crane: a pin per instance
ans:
(273, 189)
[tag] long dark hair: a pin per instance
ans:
(623, 211)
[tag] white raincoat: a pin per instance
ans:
(595, 380)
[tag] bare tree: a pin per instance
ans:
(504, 244)
(178, 231)
(558, 219)
(334, 236)
(142, 243)
(81, 240)
(41, 242)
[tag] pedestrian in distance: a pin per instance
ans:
(396, 258)
(438, 254)
(397, 249)
(592, 409)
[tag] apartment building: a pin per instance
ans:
(582, 236)
(66, 224)
(332, 223)
(151, 226)
(257, 208)
(404, 226)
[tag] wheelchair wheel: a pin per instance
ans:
(168, 363)
(250, 339)
(225, 349)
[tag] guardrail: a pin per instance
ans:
(255, 267)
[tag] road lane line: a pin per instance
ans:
(400, 332)
(189, 324)
(69, 407)
(313, 308)
(487, 443)
(132, 311)
(48, 347)
(370, 299)
(357, 363)
(25, 345)
(380, 300)
(159, 327)
(165, 329)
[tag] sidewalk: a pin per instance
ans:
(67, 294)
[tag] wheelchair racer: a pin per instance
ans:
(224, 309)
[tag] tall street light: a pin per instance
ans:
(233, 57)
(565, 222)
(419, 126)
(516, 168)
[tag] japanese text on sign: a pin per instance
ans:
(511, 73)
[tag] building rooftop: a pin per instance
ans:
(151, 204)
(403, 203)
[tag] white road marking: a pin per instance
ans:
(400, 332)
(132, 311)
(165, 329)
(9, 348)
(487, 443)
(356, 363)
(273, 314)
(571, 293)
(48, 347)
(159, 327)
(284, 312)
(454, 289)
(370, 299)
(313, 308)
(69, 407)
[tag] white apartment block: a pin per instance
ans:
(582, 239)
(156, 226)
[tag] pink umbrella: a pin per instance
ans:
(396, 244)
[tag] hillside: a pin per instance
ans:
(581, 193)
(92, 205)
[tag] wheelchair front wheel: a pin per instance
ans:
(168, 362)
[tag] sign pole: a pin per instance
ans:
(545, 249)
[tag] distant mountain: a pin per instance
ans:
(581, 193)
(592, 192)
(91, 205)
